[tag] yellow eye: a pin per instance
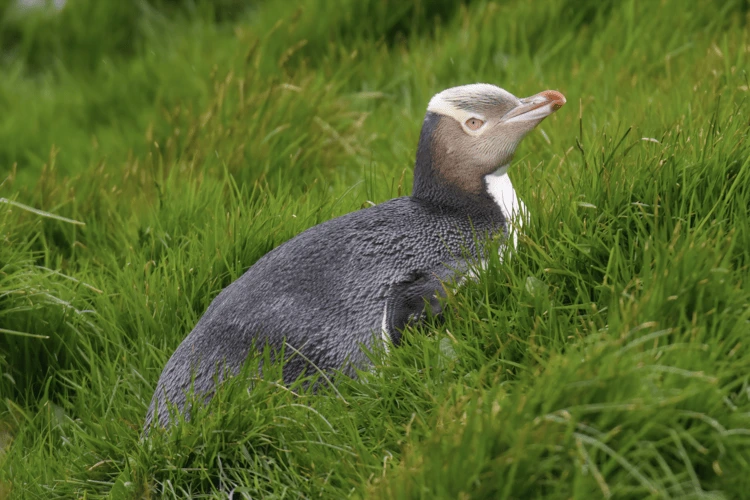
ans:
(474, 123)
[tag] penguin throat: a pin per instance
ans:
(500, 188)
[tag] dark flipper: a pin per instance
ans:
(408, 299)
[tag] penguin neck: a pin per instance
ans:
(432, 188)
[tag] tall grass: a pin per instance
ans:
(150, 152)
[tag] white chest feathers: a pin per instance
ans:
(501, 190)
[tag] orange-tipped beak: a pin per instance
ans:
(536, 107)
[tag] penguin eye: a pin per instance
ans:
(474, 123)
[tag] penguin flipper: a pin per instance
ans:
(407, 300)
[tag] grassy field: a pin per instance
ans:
(151, 151)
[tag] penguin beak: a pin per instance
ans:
(536, 107)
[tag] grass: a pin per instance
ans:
(150, 152)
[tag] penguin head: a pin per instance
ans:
(472, 130)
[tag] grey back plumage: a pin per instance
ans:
(324, 294)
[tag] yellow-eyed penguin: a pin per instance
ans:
(357, 280)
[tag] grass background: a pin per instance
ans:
(151, 151)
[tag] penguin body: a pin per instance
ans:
(357, 280)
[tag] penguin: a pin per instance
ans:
(351, 284)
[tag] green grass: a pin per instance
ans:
(608, 357)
